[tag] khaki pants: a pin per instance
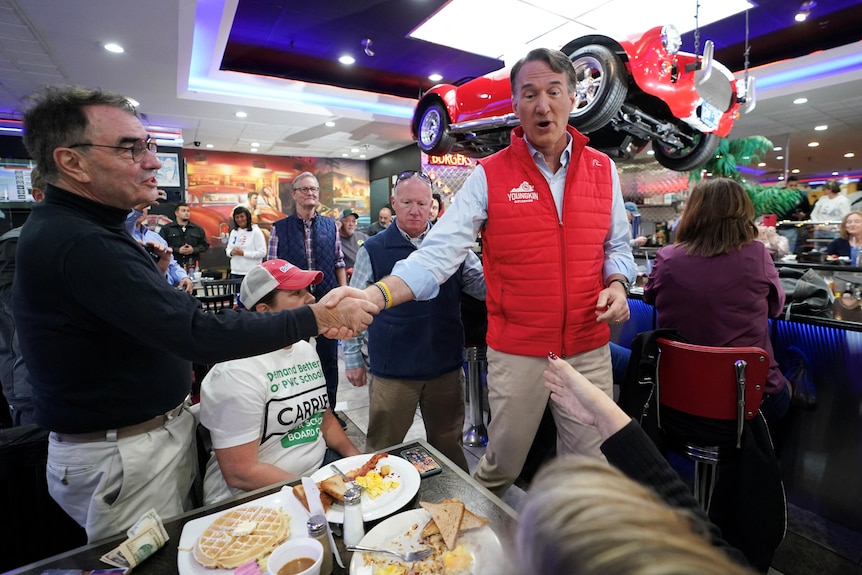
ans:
(517, 398)
(393, 405)
(107, 485)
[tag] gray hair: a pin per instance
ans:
(56, 118)
(301, 176)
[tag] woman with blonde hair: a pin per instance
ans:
(583, 516)
(849, 242)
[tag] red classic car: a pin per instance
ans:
(628, 93)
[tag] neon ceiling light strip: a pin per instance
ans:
(839, 65)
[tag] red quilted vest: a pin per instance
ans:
(543, 275)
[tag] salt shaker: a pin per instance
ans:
(317, 530)
(354, 526)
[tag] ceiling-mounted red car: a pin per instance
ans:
(628, 93)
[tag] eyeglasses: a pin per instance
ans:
(308, 190)
(407, 174)
(138, 149)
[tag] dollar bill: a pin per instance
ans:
(146, 536)
(115, 557)
(136, 549)
(146, 521)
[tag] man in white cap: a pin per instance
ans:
(284, 389)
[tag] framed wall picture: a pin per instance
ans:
(169, 174)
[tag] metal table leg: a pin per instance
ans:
(476, 435)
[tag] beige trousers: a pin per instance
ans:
(517, 398)
(107, 485)
(393, 405)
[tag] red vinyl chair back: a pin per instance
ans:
(701, 380)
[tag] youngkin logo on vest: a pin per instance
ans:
(523, 194)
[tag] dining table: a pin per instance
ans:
(451, 482)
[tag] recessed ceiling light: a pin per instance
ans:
(133, 102)
(813, 144)
(241, 115)
(779, 157)
(821, 128)
(777, 149)
(761, 164)
(834, 173)
(114, 48)
(800, 100)
(435, 77)
(849, 155)
(347, 59)
(210, 146)
(354, 150)
(794, 171)
(329, 124)
(362, 156)
(255, 145)
(345, 155)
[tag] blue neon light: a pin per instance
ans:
(840, 65)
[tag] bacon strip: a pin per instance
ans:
(368, 467)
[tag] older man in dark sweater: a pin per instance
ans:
(109, 344)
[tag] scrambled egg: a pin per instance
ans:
(375, 484)
(391, 569)
(457, 560)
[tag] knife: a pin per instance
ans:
(312, 495)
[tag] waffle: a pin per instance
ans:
(241, 535)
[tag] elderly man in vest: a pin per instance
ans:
(416, 351)
(311, 242)
(557, 264)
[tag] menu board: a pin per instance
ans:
(15, 185)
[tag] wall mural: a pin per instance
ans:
(220, 181)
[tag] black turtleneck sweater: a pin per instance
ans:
(107, 341)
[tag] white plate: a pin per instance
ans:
(388, 503)
(398, 533)
(192, 530)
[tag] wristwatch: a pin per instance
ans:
(626, 284)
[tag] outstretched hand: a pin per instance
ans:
(343, 313)
(578, 396)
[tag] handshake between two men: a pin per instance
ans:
(344, 312)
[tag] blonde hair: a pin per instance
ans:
(583, 516)
(842, 229)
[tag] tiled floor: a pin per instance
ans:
(812, 546)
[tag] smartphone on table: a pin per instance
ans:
(422, 461)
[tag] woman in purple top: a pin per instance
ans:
(717, 284)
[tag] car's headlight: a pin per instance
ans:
(670, 39)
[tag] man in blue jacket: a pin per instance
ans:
(416, 350)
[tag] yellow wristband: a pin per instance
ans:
(387, 294)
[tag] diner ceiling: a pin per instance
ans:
(192, 64)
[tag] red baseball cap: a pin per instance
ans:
(272, 275)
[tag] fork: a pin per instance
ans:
(351, 482)
(406, 557)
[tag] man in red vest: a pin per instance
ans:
(557, 264)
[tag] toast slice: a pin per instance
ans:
(334, 487)
(447, 516)
(299, 492)
(468, 522)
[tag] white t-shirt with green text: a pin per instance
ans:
(276, 399)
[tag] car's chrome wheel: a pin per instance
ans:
(433, 131)
(600, 89)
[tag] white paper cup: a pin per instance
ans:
(294, 549)
(198, 276)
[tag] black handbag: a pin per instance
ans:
(806, 292)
